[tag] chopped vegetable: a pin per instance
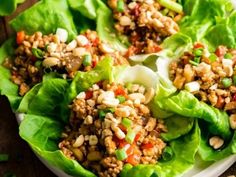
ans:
(198, 52)
(20, 36)
(89, 94)
(87, 60)
(234, 79)
(101, 114)
(193, 63)
(126, 122)
(198, 45)
(130, 136)
(119, 91)
(197, 59)
(4, 157)
(38, 64)
(228, 56)
(120, 5)
(121, 98)
(121, 154)
(37, 52)
(192, 86)
(213, 57)
(172, 5)
(147, 146)
(133, 159)
(167, 154)
(226, 82)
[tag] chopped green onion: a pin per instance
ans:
(193, 63)
(129, 86)
(112, 110)
(38, 64)
(154, 174)
(197, 59)
(213, 57)
(4, 157)
(165, 11)
(234, 79)
(101, 114)
(46, 47)
(87, 60)
(37, 53)
(126, 122)
(121, 154)
(120, 6)
(228, 56)
(198, 52)
(121, 98)
(130, 136)
(226, 82)
(172, 5)
(167, 154)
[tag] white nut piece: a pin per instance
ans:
(93, 140)
(134, 96)
(82, 40)
(125, 21)
(132, 5)
(72, 45)
(110, 102)
(107, 95)
(52, 47)
(232, 121)
(91, 102)
(81, 95)
(149, 95)
(105, 48)
(79, 51)
(157, 23)
(62, 34)
(79, 141)
(118, 132)
(88, 120)
(123, 111)
(216, 142)
(50, 61)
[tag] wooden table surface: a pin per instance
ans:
(22, 161)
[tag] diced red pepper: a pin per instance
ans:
(20, 36)
(234, 97)
(137, 137)
(198, 45)
(147, 146)
(133, 159)
(130, 150)
(123, 128)
(89, 94)
(120, 91)
(221, 51)
(157, 48)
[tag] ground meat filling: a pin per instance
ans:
(111, 125)
(38, 53)
(145, 22)
(211, 77)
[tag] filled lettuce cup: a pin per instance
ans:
(104, 125)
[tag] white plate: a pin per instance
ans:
(200, 169)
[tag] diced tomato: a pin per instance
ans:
(89, 94)
(221, 51)
(147, 146)
(120, 91)
(157, 48)
(198, 45)
(137, 137)
(133, 159)
(94, 62)
(234, 97)
(20, 36)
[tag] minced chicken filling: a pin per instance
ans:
(145, 22)
(38, 53)
(110, 126)
(211, 77)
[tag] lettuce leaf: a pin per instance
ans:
(46, 16)
(9, 6)
(7, 87)
(180, 162)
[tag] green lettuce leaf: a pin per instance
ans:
(43, 134)
(180, 162)
(7, 87)
(46, 16)
(9, 6)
